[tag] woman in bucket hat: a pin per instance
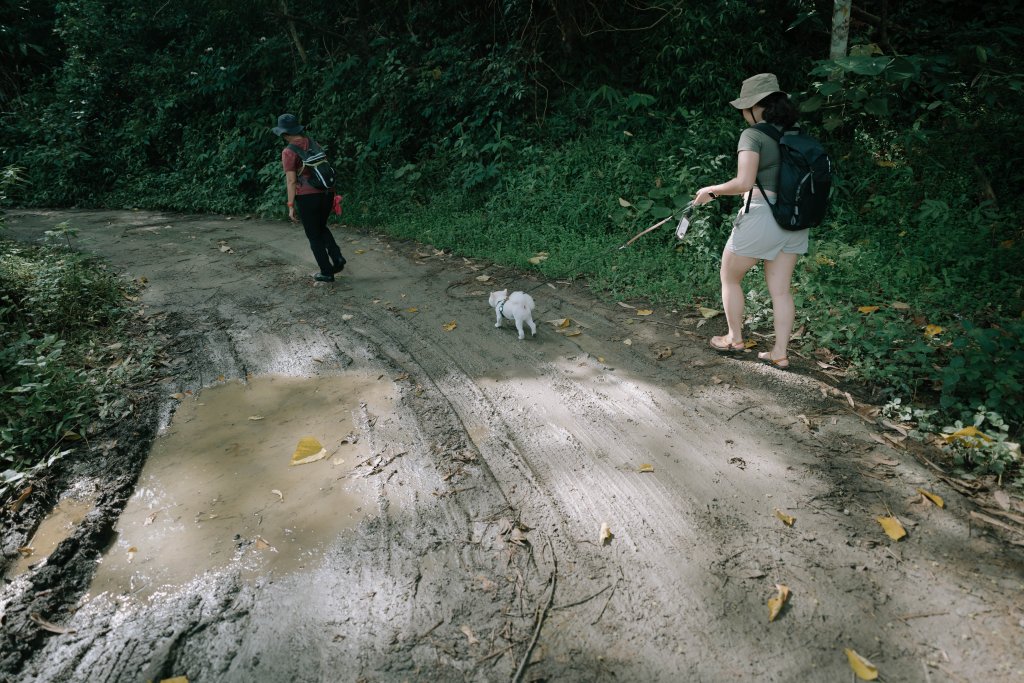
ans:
(312, 204)
(755, 234)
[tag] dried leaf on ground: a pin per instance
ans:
(624, 203)
(624, 305)
(469, 634)
(261, 544)
(1002, 499)
(574, 333)
(708, 312)
(784, 518)
(49, 625)
(932, 497)
(932, 331)
(308, 450)
(150, 518)
(664, 353)
(347, 316)
(360, 251)
(131, 554)
(867, 309)
(412, 309)
(256, 418)
(644, 311)
(483, 278)
(968, 436)
(537, 258)
(776, 602)
(605, 536)
(862, 668)
(26, 551)
(176, 679)
(627, 342)
(277, 493)
(900, 306)
(892, 526)
(448, 327)
(646, 467)
(16, 503)
(561, 323)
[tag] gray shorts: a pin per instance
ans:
(757, 235)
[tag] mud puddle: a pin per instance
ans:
(219, 489)
(58, 525)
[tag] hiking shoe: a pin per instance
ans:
(320, 277)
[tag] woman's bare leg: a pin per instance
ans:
(778, 274)
(734, 267)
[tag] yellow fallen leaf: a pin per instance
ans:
(749, 344)
(865, 670)
(646, 467)
(932, 331)
(256, 418)
(892, 526)
(448, 327)
(412, 309)
(786, 519)
(561, 322)
(309, 450)
(600, 359)
(708, 312)
(776, 602)
(26, 551)
(932, 497)
(644, 311)
(867, 309)
(606, 535)
(277, 493)
(176, 679)
(968, 436)
(360, 251)
(538, 257)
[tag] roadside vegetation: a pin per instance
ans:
(554, 131)
(72, 353)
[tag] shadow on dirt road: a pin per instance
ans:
(484, 478)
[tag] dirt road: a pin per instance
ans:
(459, 535)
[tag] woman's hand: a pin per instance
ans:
(291, 214)
(704, 195)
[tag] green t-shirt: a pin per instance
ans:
(753, 140)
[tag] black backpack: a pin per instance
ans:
(805, 179)
(322, 174)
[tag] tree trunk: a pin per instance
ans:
(840, 29)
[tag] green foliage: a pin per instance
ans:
(66, 361)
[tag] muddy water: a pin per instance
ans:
(57, 526)
(219, 489)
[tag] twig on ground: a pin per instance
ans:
(742, 410)
(541, 616)
(606, 602)
(580, 602)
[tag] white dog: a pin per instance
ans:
(515, 306)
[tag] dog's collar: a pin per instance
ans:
(501, 306)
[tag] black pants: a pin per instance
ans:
(314, 209)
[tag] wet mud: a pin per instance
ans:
(453, 528)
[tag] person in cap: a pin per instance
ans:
(755, 234)
(312, 204)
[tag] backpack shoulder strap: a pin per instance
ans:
(769, 130)
(774, 133)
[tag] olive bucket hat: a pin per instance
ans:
(755, 89)
(287, 123)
